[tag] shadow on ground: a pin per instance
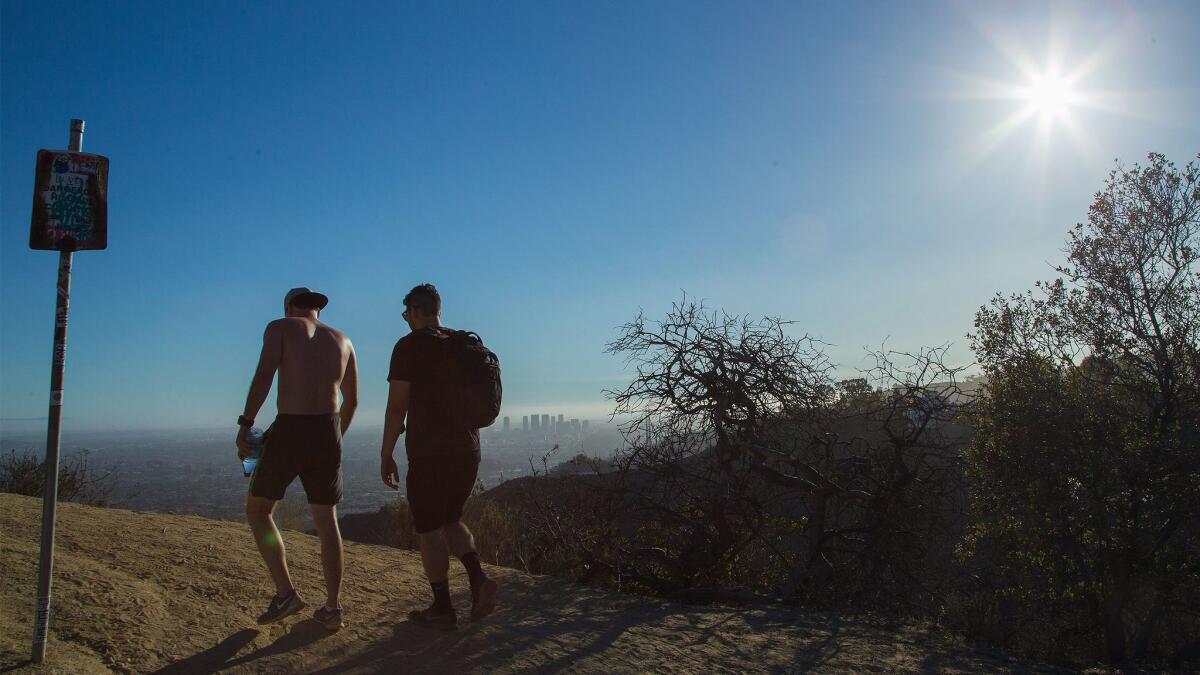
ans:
(532, 620)
(222, 655)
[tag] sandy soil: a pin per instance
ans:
(140, 592)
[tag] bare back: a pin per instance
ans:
(312, 363)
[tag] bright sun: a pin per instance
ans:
(1048, 96)
(1045, 92)
(1046, 99)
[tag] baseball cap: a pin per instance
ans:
(319, 300)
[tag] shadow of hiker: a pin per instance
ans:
(303, 633)
(222, 656)
(533, 617)
(410, 647)
(213, 659)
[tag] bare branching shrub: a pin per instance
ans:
(750, 471)
(79, 480)
(706, 384)
(886, 497)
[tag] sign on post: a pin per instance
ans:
(70, 202)
(70, 213)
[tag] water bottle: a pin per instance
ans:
(255, 436)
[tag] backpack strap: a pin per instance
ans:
(440, 332)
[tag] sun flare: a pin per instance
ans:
(1049, 96)
(1045, 94)
(1045, 103)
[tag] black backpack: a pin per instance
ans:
(471, 388)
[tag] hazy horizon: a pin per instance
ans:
(35, 428)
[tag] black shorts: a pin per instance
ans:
(438, 488)
(309, 446)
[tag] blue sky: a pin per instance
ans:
(552, 167)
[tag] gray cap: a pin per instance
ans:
(317, 299)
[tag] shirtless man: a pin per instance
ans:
(314, 361)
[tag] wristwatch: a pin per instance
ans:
(244, 421)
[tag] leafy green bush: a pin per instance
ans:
(1085, 466)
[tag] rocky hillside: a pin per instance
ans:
(141, 592)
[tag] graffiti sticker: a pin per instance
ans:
(70, 202)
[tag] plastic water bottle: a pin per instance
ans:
(255, 436)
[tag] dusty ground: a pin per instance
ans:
(138, 592)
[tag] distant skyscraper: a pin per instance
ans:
(560, 419)
(575, 426)
(536, 422)
(506, 425)
(546, 423)
(585, 426)
(525, 423)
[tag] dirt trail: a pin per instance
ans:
(141, 592)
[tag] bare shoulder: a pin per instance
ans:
(287, 324)
(277, 326)
(337, 335)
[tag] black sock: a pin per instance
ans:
(470, 560)
(441, 593)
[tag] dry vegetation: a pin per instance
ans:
(144, 593)
(1048, 505)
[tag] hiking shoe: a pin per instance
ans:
(330, 618)
(441, 618)
(281, 607)
(484, 600)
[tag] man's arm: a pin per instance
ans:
(349, 387)
(393, 426)
(260, 386)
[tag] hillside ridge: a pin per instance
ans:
(146, 592)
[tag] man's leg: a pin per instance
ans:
(436, 560)
(270, 543)
(325, 520)
(459, 539)
(462, 545)
(483, 589)
(434, 556)
(460, 482)
(427, 505)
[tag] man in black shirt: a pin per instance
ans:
(443, 459)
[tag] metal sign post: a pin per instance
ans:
(69, 213)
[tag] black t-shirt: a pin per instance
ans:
(416, 360)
